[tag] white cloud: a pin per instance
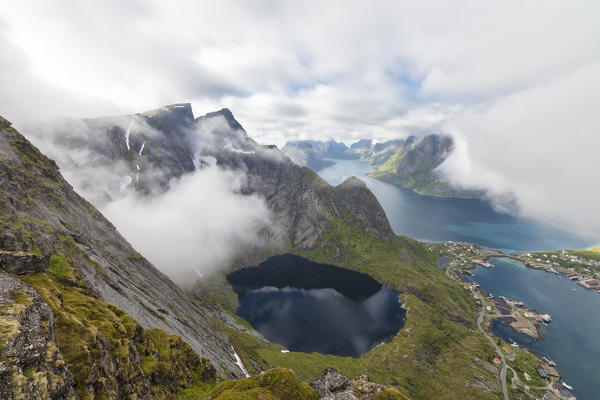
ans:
(541, 145)
(199, 225)
(338, 69)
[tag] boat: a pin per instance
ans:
(567, 386)
(549, 362)
(514, 344)
(546, 318)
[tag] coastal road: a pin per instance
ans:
(515, 380)
(498, 350)
(479, 320)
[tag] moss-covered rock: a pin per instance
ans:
(275, 384)
(110, 355)
(31, 365)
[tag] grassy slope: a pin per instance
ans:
(168, 365)
(431, 357)
(280, 384)
(420, 180)
(275, 384)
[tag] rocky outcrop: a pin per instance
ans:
(31, 365)
(21, 263)
(332, 385)
(354, 194)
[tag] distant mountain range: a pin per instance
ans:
(314, 154)
(410, 163)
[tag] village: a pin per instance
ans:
(582, 266)
(584, 270)
(458, 259)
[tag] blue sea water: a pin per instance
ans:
(573, 337)
(572, 340)
(439, 219)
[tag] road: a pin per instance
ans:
(498, 350)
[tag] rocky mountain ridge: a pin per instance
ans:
(42, 217)
(168, 143)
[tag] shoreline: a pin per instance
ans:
(526, 325)
(527, 263)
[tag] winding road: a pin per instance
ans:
(498, 350)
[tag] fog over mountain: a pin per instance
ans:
(512, 82)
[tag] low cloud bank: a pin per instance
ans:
(538, 149)
(195, 227)
(192, 225)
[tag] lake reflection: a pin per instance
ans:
(311, 307)
(322, 320)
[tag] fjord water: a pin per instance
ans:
(572, 340)
(311, 307)
(439, 219)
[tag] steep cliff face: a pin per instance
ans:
(301, 203)
(141, 152)
(57, 341)
(41, 215)
(31, 365)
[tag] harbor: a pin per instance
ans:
(567, 341)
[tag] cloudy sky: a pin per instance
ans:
(515, 82)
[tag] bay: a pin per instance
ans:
(571, 339)
(440, 219)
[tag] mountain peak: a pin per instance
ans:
(353, 181)
(228, 115)
(177, 110)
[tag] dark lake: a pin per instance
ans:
(311, 307)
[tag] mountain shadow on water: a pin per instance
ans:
(311, 307)
(288, 270)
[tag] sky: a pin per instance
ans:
(514, 82)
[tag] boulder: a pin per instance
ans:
(32, 366)
(21, 263)
(333, 385)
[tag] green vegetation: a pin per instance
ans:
(390, 394)
(583, 262)
(430, 354)
(275, 384)
(421, 179)
(60, 270)
(433, 352)
(97, 338)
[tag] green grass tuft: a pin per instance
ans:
(275, 384)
